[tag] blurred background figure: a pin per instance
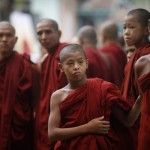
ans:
(129, 51)
(87, 38)
(111, 47)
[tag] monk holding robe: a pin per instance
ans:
(81, 111)
(52, 78)
(16, 94)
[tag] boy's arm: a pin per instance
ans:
(97, 125)
(128, 119)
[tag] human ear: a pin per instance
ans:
(146, 31)
(60, 67)
(87, 63)
(16, 39)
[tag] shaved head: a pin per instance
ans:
(6, 24)
(109, 30)
(50, 21)
(88, 33)
(70, 48)
(142, 15)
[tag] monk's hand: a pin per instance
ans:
(98, 126)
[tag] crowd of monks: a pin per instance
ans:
(26, 87)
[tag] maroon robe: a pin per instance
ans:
(130, 92)
(95, 98)
(118, 60)
(97, 66)
(51, 79)
(16, 110)
(144, 132)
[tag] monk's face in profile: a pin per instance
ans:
(133, 32)
(129, 51)
(74, 65)
(47, 35)
(7, 38)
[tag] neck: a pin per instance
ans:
(4, 55)
(75, 84)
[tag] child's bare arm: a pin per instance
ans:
(97, 125)
(128, 119)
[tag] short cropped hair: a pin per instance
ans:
(51, 21)
(142, 14)
(71, 48)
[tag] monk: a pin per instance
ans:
(52, 78)
(135, 34)
(98, 66)
(142, 71)
(17, 94)
(81, 111)
(129, 51)
(112, 49)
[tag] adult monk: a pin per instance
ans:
(98, 66)
(16, 94)
(112, 49)
(135, 34)
(142, 71)
(81, 111)
(52, 78)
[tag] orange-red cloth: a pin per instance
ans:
(16, 110)
(97, 66)
(51, 79)
(129, 90)
(95, 98)
(144, 132)
(118, 60)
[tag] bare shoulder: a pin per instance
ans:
(142, 65)
(59, 95)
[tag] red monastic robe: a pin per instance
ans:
(94, 99)
(144, 132)
(97, 66)
(130, 92)
(16, 110)
(118, 60)
(51, 79)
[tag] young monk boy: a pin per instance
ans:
(81, 111)
(136, 34)
(142, 71)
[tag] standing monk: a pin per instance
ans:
(112, 49)
(81, 111)
(52, 78)
(142, 70)
(135, 34)
(16, 94)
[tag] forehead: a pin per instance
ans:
(131, 19)
(70, 55)
(6, 28)
(44, 25)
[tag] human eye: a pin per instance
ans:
(39, 33)
(131, 26)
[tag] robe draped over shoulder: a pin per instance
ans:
(144, 132)
(95, 98)
(16, 110)
(51, 80)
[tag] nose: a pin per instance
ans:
(126, 31)
(4, 38)
(76, 66)
(43, 36)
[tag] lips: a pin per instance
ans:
(76, 73)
